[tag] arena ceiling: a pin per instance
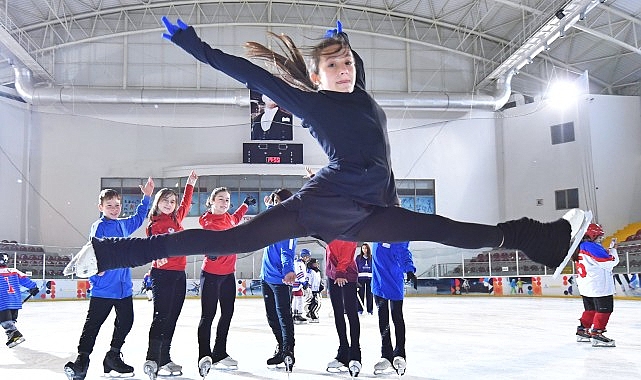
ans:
(489, 37)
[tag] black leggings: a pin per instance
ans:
(278, 223)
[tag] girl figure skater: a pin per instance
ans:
(353, 198)
(594, 278)
(168, 279)
(364, 265)
(277, 276)
(342, 277)
(218, 283)
(390, 263)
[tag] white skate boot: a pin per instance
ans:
(399, 365)
(150, 368)
(227, 363)
(170, 369)
(354, 368)
(83, 264)
(336, 366)
(579, 220)
(382, 366)
(204, 365)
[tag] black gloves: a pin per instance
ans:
(249, 200)
(411, 277)
(34, 291)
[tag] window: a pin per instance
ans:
(415, 194)
(567, 199)
(562, 133)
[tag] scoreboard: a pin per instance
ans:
(272, 153)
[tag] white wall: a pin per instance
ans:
(487, 167)
(14, 162)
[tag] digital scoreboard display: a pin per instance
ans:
(272, 153)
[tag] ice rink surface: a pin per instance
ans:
(448, 337)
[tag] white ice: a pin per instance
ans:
(448, 337)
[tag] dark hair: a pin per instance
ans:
(108, 194)
(369, 250)
(290, 66)
(210, 199)
(162, 194)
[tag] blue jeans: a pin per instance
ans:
(278, 307)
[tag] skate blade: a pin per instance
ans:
(117, 375)
(582, 339)
(598, 343)
(578, 230)
(150, 369)
(15, 342)
(337, 369)
(204, 366)
(165, 373)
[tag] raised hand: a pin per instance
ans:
(147, 188)
(171, 28)
(249, 200)
(333, 32)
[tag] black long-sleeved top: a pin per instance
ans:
(350, 127)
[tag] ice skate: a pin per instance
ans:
(226, 363)
(113, 362)
(77, 370)
(170, 369)
(399, 365)
(600, 340)
(204, 365)
(551, 244)
(579, 220)
(15, 338)
(354, 368)
(288, 360)
(336, 366)
(583, 334)
(299, 319)
(83, 264)
(275, 360)
(150, 368)
(382, 366)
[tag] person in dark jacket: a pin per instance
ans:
(111, 289)
(353, 198)
(364, 266)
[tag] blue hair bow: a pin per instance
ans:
(333, 32)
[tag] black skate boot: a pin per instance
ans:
(550, 244)
(77, 370)
(600, 340)
(15, 338)
(113, 362)
(583, 334)
(277, 358)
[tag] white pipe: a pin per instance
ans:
(76, 94)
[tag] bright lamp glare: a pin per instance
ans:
(563, 93)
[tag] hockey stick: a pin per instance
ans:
(27, 299)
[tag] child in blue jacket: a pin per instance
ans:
(111, 289)
(390, 263)
(11, 300)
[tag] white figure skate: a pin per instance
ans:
(579, 220)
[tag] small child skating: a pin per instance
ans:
(10, 299)
(390, 263)
(300, 286)
(313, 299)
(147, 286)
(110, 289)
(594, 266)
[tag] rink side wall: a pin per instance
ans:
(67, 289)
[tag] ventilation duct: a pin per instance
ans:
(76, 94)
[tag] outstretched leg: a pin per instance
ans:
(275, 224)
